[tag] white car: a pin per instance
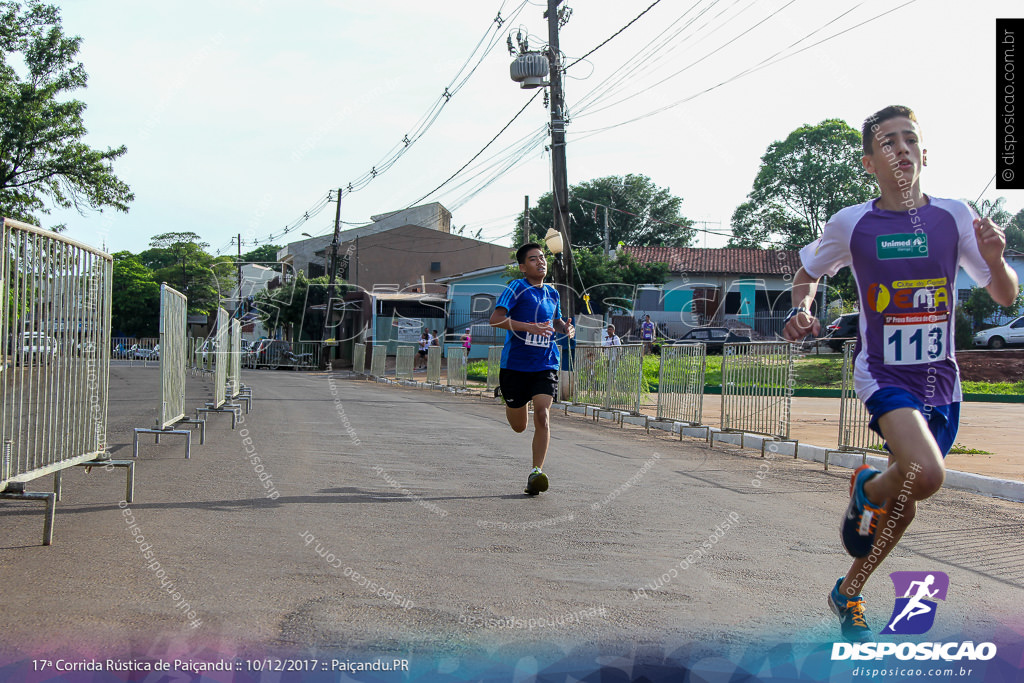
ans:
(999, 337)
(35, 347)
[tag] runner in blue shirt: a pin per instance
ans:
(530, 311)
(904, 248)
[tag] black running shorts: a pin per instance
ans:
(518, 388)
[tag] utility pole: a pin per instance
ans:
(606, 232)
(558, 166)
(524, 236)
(238, 305)
(329, 311)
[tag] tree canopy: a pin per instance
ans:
(652, 215)
(44, 161)
(180, 259)
(135, 298)
(265, 255)
(803, 180)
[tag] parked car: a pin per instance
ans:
(1000, 337)
(841, 329)
(714, 338)
(142, 353)
(35, 347)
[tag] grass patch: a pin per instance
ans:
(960, 448)
(998, 388)
(477, 369)
(819, 373)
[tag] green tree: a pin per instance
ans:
(803, 180)
(292, 306)
(653, 217)
(1015, 233)
(610, 282)
(180, 260)
(43, 159)
(980, 306)
(135, 298)
(607, 281)
(996, 210)
(265, 255)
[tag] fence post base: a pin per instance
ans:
(162, 432)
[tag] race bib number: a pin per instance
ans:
(537, 340)
(915, 338)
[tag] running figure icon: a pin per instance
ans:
(915, 606)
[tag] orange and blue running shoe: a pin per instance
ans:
(860, 521)
(851, 615)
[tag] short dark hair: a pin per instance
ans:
(522, 251)
(891, 112)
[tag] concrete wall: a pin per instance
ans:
(317, 249)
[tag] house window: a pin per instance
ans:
(316, 270)
(435, 266)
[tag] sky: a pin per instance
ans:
(240, 117)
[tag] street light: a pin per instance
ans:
(553, 239)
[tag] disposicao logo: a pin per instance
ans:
(916, 595)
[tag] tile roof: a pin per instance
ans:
(732, 261)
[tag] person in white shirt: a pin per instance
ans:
(610, 338)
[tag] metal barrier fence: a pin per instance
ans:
(136, 350)
(854, 434)
(609, 376)
(277, 353)
(378, 361)
(55, 360)
(757, 388)
(456, 366)
(434, 365)
(493, 366)
(234, 378)
(681, 383)
(359, 359)
(175, 351)
(405, 357)
(173, 314)
(220, 366)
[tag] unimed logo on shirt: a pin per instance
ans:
(902, 245)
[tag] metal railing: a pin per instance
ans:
(405, 357)
(55, 327)
(456, 366)
(220, 366)
(55, 360)
(681, 383)
(136, 350)
(175, 351)
(493, 366)
(609, 376)
(359, 359)
(378, 361)
(757, 388)
(434, 354)
(173, 314)
(234, 378)
(854, 434)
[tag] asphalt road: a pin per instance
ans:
(396, 526)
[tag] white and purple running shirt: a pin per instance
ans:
(905, 265)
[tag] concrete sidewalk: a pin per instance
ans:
(400, 528)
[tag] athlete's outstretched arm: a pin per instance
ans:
(802, 295)
(991, 243)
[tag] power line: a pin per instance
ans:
(491, 38)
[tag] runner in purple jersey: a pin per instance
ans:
(904, 248)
